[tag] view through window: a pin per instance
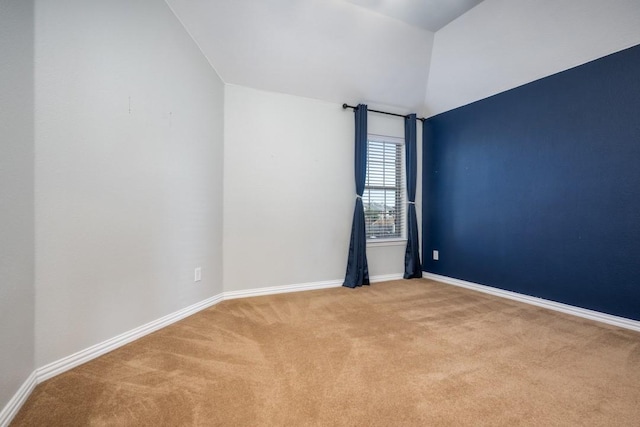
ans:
(383, 196)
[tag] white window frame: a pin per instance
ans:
(402, 240)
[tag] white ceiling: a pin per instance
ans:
(325, 49)
(502, 44)
(379, 52)
(430, 15)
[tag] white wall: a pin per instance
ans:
(16, 196)
(501, 44)
(128, 172)
(289, 190)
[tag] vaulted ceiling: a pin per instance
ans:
(425, 56)
(430, 15)
(326, 49)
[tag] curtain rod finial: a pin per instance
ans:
(345, 106)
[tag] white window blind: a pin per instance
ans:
(384, 192)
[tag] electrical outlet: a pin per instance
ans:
(197, 274)
(436, 255)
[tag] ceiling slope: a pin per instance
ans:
(502, 44)
(350, 51)
(430, 15)
(324, 49)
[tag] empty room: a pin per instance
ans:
(319, 212)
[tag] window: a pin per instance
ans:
(384, 192)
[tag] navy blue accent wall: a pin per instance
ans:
(537, 190)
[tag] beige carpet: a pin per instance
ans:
(396, 353)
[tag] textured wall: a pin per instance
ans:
(537, 190)
(16, 196)
(289, 190)
(129, 151)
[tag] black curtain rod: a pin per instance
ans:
(345, 106)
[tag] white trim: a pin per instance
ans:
(610, 319)
(83, 356)
(272, 290)
(66, 363)
(41, 374)
(372, 243)
(386, 277)
(13, 406)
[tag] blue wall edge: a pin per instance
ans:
(536, 190)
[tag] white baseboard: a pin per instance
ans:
(11, 409)
(55, 368)
(69, 362)
(385, 277)
(610, 319)
(59, 366)
(66, 363)
(271, 290)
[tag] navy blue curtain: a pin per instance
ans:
(357, 268)
(412, 266)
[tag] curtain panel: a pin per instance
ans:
(412, 265)
(357, 267)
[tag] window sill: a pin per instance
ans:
(386, 242)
